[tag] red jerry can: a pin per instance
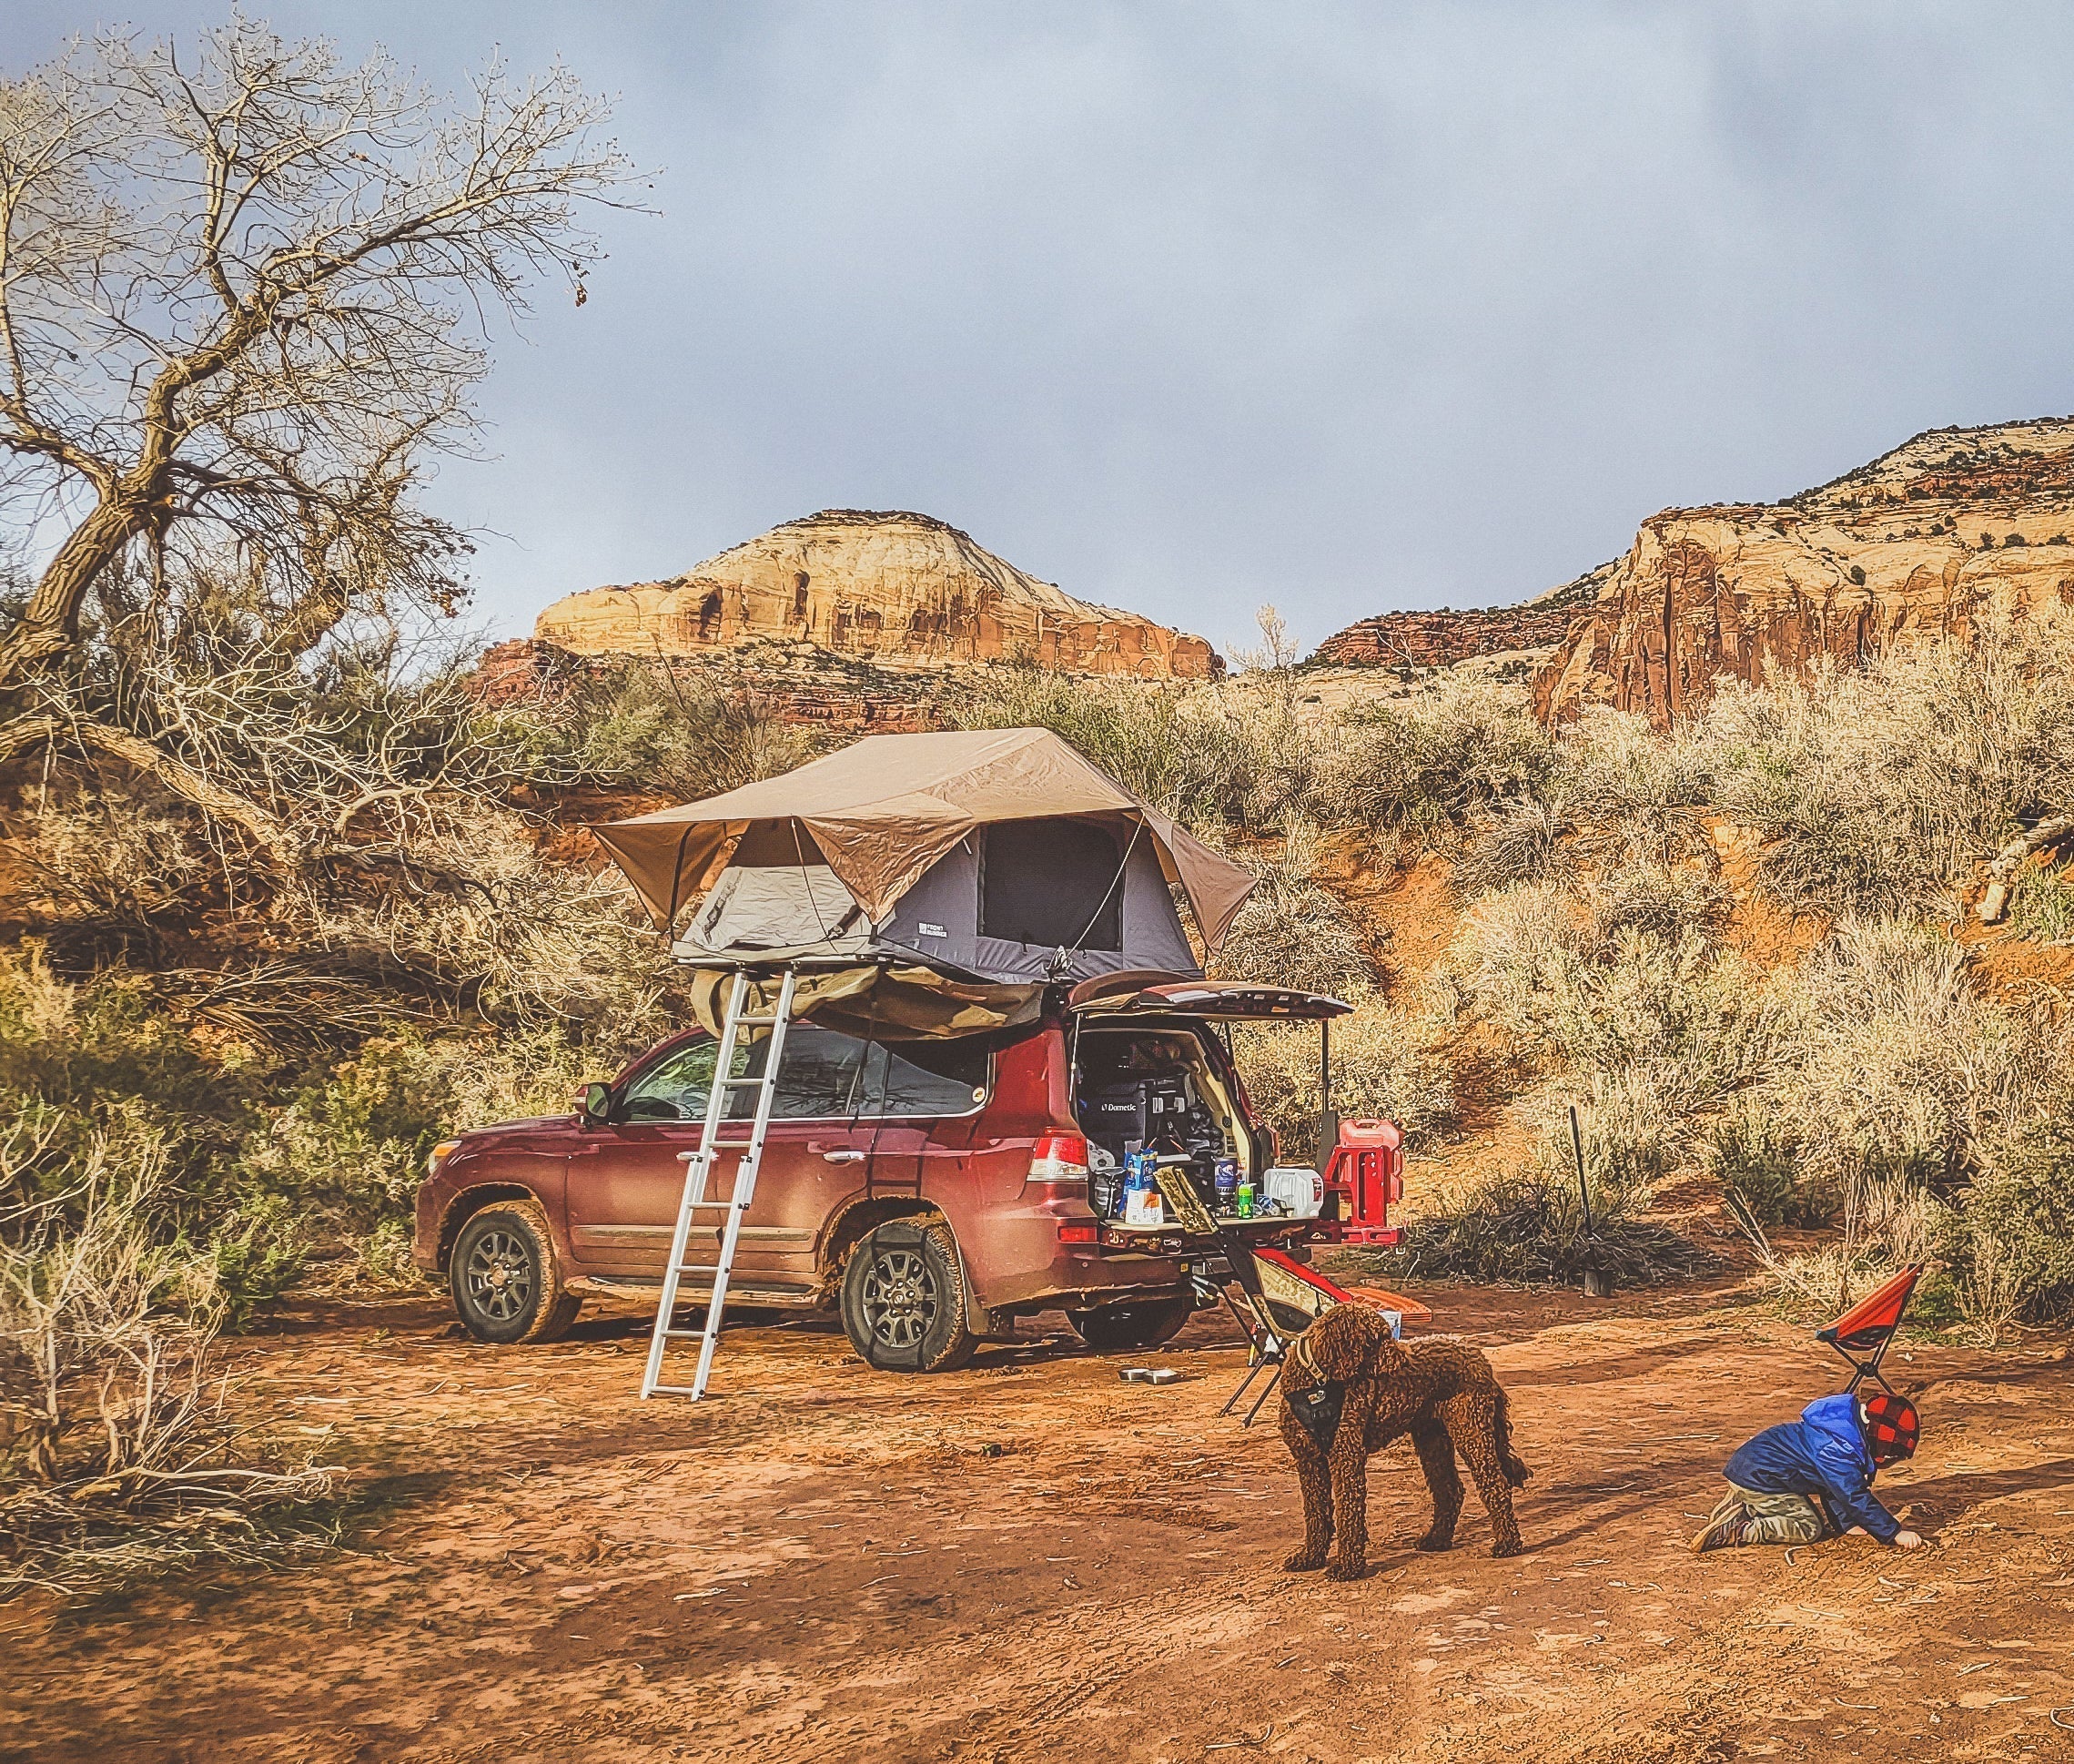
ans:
(1367, 1172)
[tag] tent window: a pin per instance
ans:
(1052, 883)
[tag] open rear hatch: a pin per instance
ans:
(1151, 1074)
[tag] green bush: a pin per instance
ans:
(2041, 902)
(1753, 1155)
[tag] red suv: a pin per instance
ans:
(931, 1191)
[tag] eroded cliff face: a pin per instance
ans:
(1444, 640)
(1925, 539)
(898, 590)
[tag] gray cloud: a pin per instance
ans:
(1191, 305)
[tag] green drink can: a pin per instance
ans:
(1245, 1200)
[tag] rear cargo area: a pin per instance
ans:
(1167, 1088)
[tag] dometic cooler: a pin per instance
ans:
(1365, 1174)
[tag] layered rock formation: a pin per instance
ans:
(897, 590)
(797, 684)
(1439, 640)
(1922, 541)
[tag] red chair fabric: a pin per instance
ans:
(1863, 1333)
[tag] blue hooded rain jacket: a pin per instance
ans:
(1822, 1456)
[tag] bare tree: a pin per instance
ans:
(244, 296)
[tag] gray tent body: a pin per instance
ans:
(1061, 898)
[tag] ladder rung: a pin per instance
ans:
(709, 1204)
(746, 1083)
(684, 1335)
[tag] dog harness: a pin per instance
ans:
(1319, 1409)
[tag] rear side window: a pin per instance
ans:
(925, 1078)
(1052, 883)
(827, 1076)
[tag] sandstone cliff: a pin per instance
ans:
(895, 589)
(1442, 640)
(1923, 540)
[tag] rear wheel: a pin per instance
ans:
(903, 1299)
(1124, 1328)
(506, 1284)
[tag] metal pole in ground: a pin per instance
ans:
(1598, 1280)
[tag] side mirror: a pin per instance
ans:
(596, 1103)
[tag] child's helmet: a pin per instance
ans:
(1891, 1426)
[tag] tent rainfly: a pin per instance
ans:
(999, 854)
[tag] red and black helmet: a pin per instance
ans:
(1891, 1426)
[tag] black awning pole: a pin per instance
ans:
(1327, 1120)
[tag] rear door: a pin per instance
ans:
(626, 1177)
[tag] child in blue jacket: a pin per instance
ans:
(1813, 1478)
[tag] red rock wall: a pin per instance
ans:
(1439, 639)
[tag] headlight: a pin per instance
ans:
(440, 1153)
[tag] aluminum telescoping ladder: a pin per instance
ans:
(698, 1171)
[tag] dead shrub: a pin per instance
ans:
(1527, 1226)
(1291, 932)
(1385, 1064)
(118, 1457)
(1432, 762)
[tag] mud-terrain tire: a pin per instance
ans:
(903, 1299)
(505, 1281)
(1126, 1328)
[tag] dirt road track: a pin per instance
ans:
(1029, 1559)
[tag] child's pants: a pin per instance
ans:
(1772, 1518)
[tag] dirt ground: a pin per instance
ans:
(1030, 1558)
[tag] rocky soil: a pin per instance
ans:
(1029, 1558)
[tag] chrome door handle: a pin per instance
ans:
(842, 1157)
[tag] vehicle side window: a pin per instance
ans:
(927, 1078)
(818, 1081)
(827, 1076)
(676, 1089)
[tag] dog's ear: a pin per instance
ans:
(1387, 1357)
(1333, 1347)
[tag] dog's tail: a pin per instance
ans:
(1509, 1461)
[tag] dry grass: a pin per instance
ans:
(117, 1457)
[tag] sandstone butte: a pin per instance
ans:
(1952, 526)
(897, 590)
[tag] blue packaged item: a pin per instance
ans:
(1227, 1183)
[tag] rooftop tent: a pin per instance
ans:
(1002, 854)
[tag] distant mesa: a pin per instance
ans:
(894, 589)
(1923, 540)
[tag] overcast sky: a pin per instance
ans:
(1188, 307)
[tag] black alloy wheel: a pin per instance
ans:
(903, 1299)
(505, 1283)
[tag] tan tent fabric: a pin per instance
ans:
(890, 1003)
(885, 808)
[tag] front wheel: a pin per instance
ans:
(506, 1285)
(903, 1299)
(1126, 1328)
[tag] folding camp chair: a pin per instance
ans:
(1285, 1299)
(1866, 1328)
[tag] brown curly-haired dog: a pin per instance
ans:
(1348, 1390)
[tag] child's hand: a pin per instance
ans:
(1908, 1540)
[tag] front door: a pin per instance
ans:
(626, 1175)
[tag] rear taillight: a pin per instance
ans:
(1089, 1232)
(1059, 1157)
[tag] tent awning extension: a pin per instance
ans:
(885, 808)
